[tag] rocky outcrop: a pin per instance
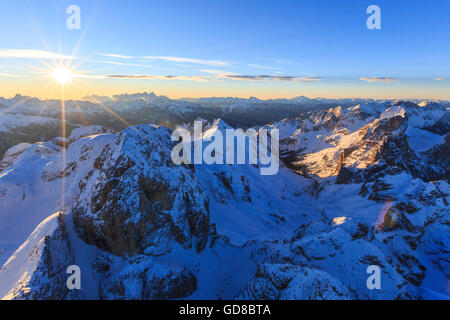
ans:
(436, 243)
(137, 201)
(292, 282)
(48, 280)
(442, 126)
(144, 279)
(438, 164)
(35, 130)
(346, 249)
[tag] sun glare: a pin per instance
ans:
(62, 76)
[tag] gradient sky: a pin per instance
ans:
(316, 48)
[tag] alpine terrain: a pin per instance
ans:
(361, 183)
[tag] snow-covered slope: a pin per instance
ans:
(31, 184)
(359, 185)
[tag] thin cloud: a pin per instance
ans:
(272, 77)
(8, 75)
(212, 63)
(156, 77)
(122, 63)
(130, 76)
(183, 65)
(440, 79)
(216, 75)
(379, 79)
(258, 66)
(114, 55)
(221, 73)
(283, 61)
(31, 54)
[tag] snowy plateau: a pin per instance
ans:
(360, 183)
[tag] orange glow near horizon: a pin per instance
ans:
(81, 84)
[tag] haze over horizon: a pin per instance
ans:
(88, 97)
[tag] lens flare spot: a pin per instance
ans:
(62, 75)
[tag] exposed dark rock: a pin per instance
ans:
(442, 126)
(49, 279)
(287, 281)
(143, 279)
(130, 206)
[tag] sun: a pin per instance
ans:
(62, 75)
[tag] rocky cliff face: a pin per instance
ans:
(135, 200)
(48, 281)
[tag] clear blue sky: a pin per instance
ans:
(324, 44)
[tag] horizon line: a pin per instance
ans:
(90, 96)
